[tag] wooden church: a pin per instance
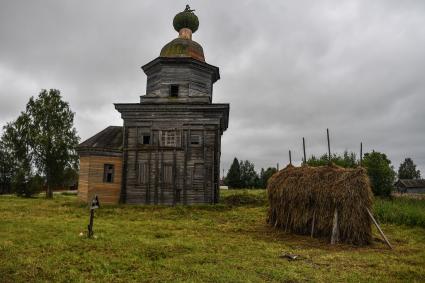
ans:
(168, 149)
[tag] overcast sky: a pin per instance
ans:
(289, 69)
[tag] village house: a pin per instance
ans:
(168, 149)
(411, 186)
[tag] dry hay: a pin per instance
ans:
(297, 193)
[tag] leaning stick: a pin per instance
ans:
(312, 224)
(379, 228)
(287, 223)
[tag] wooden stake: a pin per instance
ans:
(90, 226)
(335, 229)
(312, 224)
(329, 145)
(379, 229)
(290, 157)
(361, 153)
(287, 222)
(305, 158)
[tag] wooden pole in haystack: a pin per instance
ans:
(305, 158)
(335, 229)
(361, 153)
(312, 223)
(329, 146)
(290, 157)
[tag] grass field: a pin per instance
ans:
(229, 242)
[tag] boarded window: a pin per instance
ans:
(174, 90)
(168, 174)
(198, 171)
(108, 173)
(195, 139)
(143, 177)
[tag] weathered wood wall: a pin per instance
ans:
(91, 179)
(192, 167)
(195, 80)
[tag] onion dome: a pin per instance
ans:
(185, 23)
(186, 19)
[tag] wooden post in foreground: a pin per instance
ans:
(335, 229)
(90, 226)
(361, 153)
(290, 157)
(305, 157)
(379, 228)
(94, 205)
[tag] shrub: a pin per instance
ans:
(245, 197)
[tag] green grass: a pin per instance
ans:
(229, 242)
(401, 210)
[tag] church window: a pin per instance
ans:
(144, 136)
(146, 139)
(195, 140)
(108, 173)
(169, 138)
(174, 90)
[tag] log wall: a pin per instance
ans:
(91, 179)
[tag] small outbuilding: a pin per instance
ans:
(101, 166)
(411, 186)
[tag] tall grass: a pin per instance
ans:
(400, 210)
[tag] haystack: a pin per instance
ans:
(304, 200)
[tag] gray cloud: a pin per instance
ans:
(288, 69)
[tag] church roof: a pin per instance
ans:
(182, 47)
(110, 138)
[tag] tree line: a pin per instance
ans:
(37, 149)
(242, 174)
(381, 173)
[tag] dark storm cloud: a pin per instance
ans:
(289, 68)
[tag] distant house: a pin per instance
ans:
(411, 186)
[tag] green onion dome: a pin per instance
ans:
(186, 19)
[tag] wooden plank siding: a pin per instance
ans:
(91, 179)
(193, 167)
